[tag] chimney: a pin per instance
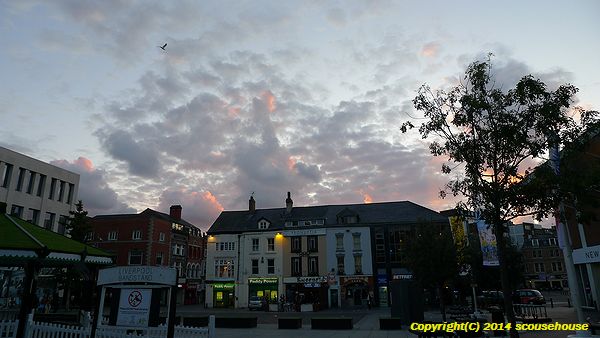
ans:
(288, 204)
(175, 212)
(252, 204)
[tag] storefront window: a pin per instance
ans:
(219, 296)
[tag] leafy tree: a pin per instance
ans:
(78, 225)
(431, 256)
(496, 134)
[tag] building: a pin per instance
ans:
(315, 257)
(154, 238)
(36, 191)
(195, 267)
(543, 260)
(583, 224)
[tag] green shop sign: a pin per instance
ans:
(261, 281)
(224, 286)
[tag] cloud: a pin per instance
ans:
(430, 49)
(141, 159)
(337, 17)
(200, 208)
(95, 192)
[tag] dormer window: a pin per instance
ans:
(263, 224)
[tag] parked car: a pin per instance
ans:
(528, 296)
(255, 303)
(490, 298)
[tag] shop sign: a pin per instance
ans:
(302, 280)
(262, 280)
(587, 255)
(134, 307)
(304, 232)
(405, 276)
(139, 274)
(224, 286)
(312, 285)
(352, 280)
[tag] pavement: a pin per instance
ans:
(366, 323)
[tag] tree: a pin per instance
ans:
(494, 137)
(431, 256)
(77, 225)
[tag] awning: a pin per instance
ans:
(21, 242)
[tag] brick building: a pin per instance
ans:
(154, 238)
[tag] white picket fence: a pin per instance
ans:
(8, 329)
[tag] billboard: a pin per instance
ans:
(489, 248)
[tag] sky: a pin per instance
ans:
(262, 97)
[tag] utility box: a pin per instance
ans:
(407, 301)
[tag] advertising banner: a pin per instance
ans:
(487, 239)
(457, 225)
(134, 307)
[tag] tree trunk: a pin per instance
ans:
(504, 278)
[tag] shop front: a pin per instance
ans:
(356, 290)
(382, 290)
(264, 287)
(223, 295)
(307, 293)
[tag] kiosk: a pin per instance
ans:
(135, 299)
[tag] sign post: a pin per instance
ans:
(136, 297)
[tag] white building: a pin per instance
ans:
(221, 270)
(351, 260)
(37, 191)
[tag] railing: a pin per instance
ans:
(530, 312)
(8, 329)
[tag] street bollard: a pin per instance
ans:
(569, 302)
(551, 303)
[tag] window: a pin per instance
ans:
(339, 242)
(263, 224)
(356, 241)
(379, 247)
(270, 244)
(41, 184)
(552, 241)
(71, 191)
(135, 257)
(296, 266)
(34, 216)
(52, 188)
(535, 242)
(357, 265)
(340, 265)
(557, 266)
(16, 210)
(224, 268)
(255, 242)
(178, 249)
(161, 236)
(159, 258)
(136, 234)
(296, 244)
(31, 182)
(350, 219)
(271, 266)
(49, 220)
(225, 246)
(6, 173)
(61, 191)
(397, 243)
(20, 179)
(255, 266)
(539, 267)
(113, 236)
(62, 224)
(313, 266)
(313, 243)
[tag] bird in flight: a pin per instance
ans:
(163, 47)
